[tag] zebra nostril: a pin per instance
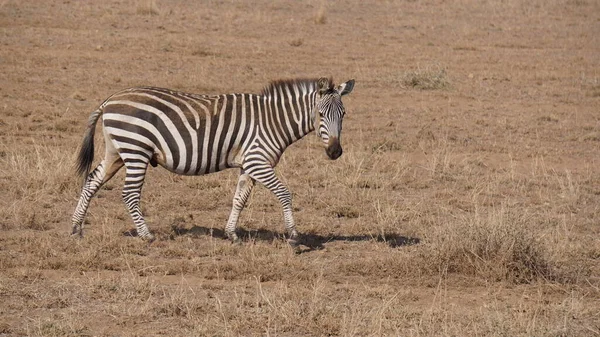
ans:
(337, 153)
(334, 151)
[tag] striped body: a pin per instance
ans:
(193, 134)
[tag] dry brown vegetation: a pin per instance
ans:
(466, 202)
(430, 78)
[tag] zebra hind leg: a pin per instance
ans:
(94, 180)
(242, 192)
(134, 180)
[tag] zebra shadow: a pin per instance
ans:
(310, 240)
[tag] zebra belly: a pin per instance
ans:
(232, 159)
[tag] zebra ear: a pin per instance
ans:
(345, 88)
(324, 85)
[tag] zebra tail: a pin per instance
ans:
(86, 152)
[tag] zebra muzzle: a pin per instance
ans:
(334, 149)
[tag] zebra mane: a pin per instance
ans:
(304, 84)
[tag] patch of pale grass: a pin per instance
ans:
(497, 246)
(533, 313)
(433, 77)
(56, 327)
(40, 175)
(321, 15)
(147, 7)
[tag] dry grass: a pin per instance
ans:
(147, 7)
(463, 212)
(432, 77)
(321, 15)
(498, 246)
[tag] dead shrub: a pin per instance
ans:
(296, 42)
(321, 15)
(428, 78)
(147, 7)
(499, 247)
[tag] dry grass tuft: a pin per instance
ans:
(321, 15)
(499, 246)
(432, 77)
(147, 7)
(40, 170)
(297, 42)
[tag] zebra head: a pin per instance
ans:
(330, 111)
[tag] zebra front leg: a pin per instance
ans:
(266, 176)
(132, 191)
(242, 192)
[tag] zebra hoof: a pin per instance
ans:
(77, 232)
(294, 243)
(234, 238)
(149, 238)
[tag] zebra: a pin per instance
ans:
(191, 134)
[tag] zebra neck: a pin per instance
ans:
(291, 116)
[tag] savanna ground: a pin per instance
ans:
(467, 201)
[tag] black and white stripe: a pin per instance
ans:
(198, 134)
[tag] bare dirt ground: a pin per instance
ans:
(466, 202)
